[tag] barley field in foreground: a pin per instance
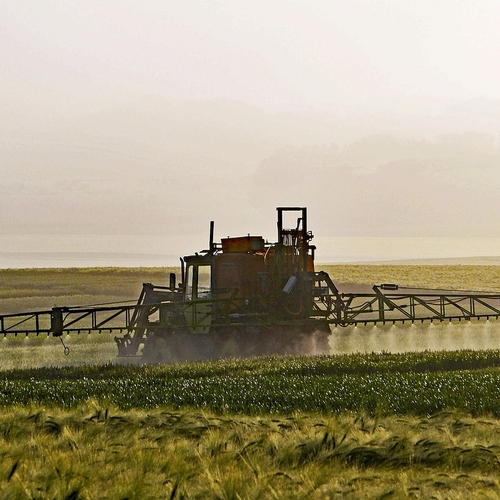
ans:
(104, 453)
(364, 425)
(421, 425)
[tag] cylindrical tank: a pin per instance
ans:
(241, 272)
(243, 244)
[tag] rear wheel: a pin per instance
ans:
(163, 346)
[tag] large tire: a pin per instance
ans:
(156, 349)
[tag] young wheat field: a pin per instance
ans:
(391, 413)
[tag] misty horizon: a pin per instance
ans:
(148, 120)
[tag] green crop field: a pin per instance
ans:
(360, 425)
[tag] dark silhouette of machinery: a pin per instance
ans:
(246, 297)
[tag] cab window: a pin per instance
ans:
(198, 279)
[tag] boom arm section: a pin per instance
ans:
(61, 320)
(162, 308)
(390, 303)
(132, 319)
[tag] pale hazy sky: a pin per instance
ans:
(146, 117)
(276, 54)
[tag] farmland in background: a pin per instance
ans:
(41, 289)
(33, 289)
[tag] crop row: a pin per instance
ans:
(274, 386)
(352, 364)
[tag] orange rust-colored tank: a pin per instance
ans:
(243, 244)
(238, 271)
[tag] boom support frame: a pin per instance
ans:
(385, 304)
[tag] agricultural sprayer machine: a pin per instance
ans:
(247, 297)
